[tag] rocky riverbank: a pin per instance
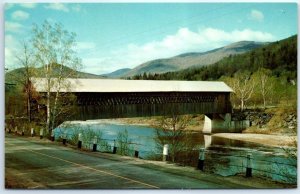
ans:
(272, 121)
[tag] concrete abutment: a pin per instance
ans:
(223, 123)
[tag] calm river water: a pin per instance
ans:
(223, 156)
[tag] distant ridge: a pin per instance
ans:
(12, 75)
(116, 74)
(193, 59)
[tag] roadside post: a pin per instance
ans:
(64, 138)
(165, 152)
(16, 130)
(201, 159)
(249, 165)
(95, 144)
(136, 152)
(115, 148)
(41, 133)
(52, 135)
(79, 140)
(32, 132)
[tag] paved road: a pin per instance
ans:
(44, 164)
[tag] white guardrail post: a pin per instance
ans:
(79, 141)
(165, 152)
(95, 144)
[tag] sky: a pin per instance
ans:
(111, 36)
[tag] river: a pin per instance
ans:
(223, 156)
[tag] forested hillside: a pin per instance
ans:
(262, 77)
(280, 57)
(193, 60)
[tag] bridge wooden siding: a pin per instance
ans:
(118, 105)
(104, 98)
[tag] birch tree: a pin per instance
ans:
(264, 83)
(26, 60)
(54, 51)
(243, 86)
(22, 89)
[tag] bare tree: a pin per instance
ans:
(20, 79)
(243, 86)
(263, 79)
(171, 131)
(54, 50)
(26, 60)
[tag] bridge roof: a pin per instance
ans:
(118, 85)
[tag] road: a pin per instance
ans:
(34, 163)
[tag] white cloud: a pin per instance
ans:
(20, 15)
(24, 5)
(256, 15)
(76, 8)
(12, 26)
(8, 6)
(11, 48)
(28, 5)
(85, 46)
(184, 40)
(57, 7)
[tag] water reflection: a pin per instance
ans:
(223, 156)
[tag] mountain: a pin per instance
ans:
(13, 75)
(188, 60)
(117, 73)
(280, 57)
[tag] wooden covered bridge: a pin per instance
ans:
(112, 98)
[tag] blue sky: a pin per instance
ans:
(124, 35)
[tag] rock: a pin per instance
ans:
(291, 127)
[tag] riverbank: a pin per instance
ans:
(275, 131)
(264, 139)
(273, 140)
(196, 122)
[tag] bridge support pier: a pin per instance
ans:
(223, 123)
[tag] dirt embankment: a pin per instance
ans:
(195, 124)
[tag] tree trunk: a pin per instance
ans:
(264, 99)
(48, 102)
(54, 112)
(242, 105)
(48, 112)
(28, 109)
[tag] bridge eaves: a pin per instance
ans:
(118, 85)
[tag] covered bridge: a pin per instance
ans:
(113, 98)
